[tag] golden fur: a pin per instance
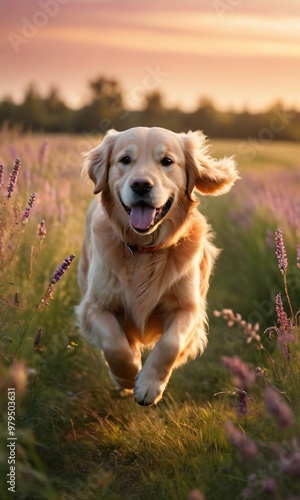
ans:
(144, 280)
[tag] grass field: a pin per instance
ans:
(77, 438)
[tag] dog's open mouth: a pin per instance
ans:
(143, 217)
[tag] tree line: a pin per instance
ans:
(106, 108)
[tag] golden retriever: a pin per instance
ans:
(147, 254)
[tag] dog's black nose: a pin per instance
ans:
(141, 186)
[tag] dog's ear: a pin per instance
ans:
(96, 161)
(207, 175)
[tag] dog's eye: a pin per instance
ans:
(166, 162)
(125, 160)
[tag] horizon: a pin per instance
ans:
(201, 103)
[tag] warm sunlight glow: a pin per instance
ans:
(177, 43)
(238, 56)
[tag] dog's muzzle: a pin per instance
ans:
(143, 217)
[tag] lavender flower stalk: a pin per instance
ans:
(283, 264)
(43, 153)
(242, 406)
(243, 443)
(236, 319)
(55, 278)
(1, 177)
(284, 330)
(266, 485)
(280, 252)
(60, 271)
(244, 375)
(298, 256)
(282, 317)
(290, 462)
(28, 209)
(278, 408)
(269, 485)
(13, 178)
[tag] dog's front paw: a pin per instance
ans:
(148, 390)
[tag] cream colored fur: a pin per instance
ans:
(130, 298)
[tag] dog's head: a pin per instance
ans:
(148, 174)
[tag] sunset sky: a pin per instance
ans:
(240, 53)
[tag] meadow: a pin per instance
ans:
(228, 425)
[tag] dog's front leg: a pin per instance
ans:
(102, 329)
(153, 378)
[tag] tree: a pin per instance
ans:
(32, 112)
(58, 115)
(104, 108)
(7, 110)
(154, 103)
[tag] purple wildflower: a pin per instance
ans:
(236, 319)
(278, 408)
(298, 256)
(244, 375)
(43, 153)
(42, 230)
(282, 317)
(242, 408)
(285, 327)
(243, 443)
(13, 178)
(283, 265)
(292, 466)
(291, 462)
(269, 485)
(271, 194)
(280, 252)
(254, 482)
(27, 210)
(60, 271)
(288, 456)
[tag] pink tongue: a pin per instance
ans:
(142, 216)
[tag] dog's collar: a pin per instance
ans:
(149, 249)
(141, 249)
